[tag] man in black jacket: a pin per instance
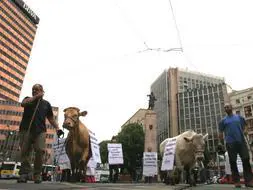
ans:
(32, 131)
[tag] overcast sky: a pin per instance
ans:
(91, 53)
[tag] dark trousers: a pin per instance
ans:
(233, 150)
(114, 173)
(148, 179)
(65, 175)
(39, 145)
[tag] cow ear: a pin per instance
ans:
(84, 113)
(188, 139)
(205, 136)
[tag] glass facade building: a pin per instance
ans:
(18, 25)
(242, 102)
(201, 110)
(188, 100)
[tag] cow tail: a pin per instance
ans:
(90, 151)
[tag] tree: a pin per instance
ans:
(104, 151)
(132, 139)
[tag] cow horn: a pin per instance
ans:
(205, 136)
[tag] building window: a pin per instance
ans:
(150, 127)
(249, 97)
(238, 112)
(237, 101)
(247, 111)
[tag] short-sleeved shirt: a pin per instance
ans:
(39, 123)
(233, 127)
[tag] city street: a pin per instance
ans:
(11, 184)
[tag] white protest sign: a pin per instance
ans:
(92, 163)
(60, 155)
(95, 147)
(115, 155)
(169, 154)
(149, 163)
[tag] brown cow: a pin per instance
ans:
(78, 141)
(189, 152)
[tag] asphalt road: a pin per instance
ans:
(11, 184)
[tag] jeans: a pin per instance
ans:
(233, 150)
(39, 145)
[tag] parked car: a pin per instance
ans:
(10, 170)
(47, 172)
(102, 175)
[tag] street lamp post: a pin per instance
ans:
(6, 150)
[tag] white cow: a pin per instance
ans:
(189, 151)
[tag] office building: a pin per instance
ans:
(137, 117)
(242, 102)
(201, 110)
(18, 25)
(175, 86)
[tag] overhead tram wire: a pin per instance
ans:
(175, 22)
(144, 42)
(179, 37)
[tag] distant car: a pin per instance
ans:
(47, 172)
(102, 175)
(10, 170)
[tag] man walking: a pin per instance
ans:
(233, 126)
(32, 131)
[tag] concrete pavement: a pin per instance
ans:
(11, 184)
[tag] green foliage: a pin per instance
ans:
(132, 139)
(104, 151)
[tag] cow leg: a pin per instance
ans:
(188, 175)
(192, 177)
(81, 172)
(73, 171)
(172, 179)
(85, 158)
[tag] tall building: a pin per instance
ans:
(176, 86)
(201, 110)
(242, 102)
(18, 25)
(138, 117)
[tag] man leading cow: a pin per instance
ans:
(32, 131)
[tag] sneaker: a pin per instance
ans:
(37, 179)
(237, 185)
(23, 178)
